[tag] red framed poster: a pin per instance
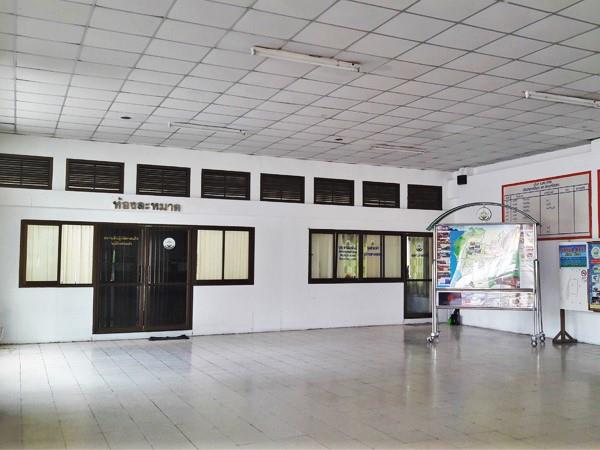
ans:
(562, 204)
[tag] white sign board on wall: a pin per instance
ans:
(562, 204)
(573, 276)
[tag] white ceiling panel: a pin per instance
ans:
(176, 50)
(44, 29)
(512, 47)
(206, 13)
(106, 56)
(150, 7)
(465, 37)
(115, 40)
(306, 9)
(414, 27)
(586, 41)
(505, 17)
(273, 25)
(189, 33)
(555, 29)
(586, 10)
(55, 10)
(328, 35)
(456, 10)
(557, 55)
(431, 54)
(380, 45)
(111, 19)
(354, 15)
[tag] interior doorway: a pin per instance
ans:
(417, 280)
(143, 278)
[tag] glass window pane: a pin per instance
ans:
(393, 256)
(418, 251)
(209, 264)
(120, 254)
(237, 244)
(347, 255)
(42, 253)
(372, 256)
(76, 253)
(321, 262)
(417, 298)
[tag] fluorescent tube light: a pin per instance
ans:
(204, 127)
(562, 99)
(398, 148)
(306, 59)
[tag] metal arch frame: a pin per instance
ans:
(538, 326)
(439, 218)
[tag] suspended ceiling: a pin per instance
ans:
(444, 77)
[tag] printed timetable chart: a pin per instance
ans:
(561, 204)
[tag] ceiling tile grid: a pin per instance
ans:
(443, 79)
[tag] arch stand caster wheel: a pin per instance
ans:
(430, 339)
(543, 338)
(534, 342)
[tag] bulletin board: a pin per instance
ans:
(562, 204)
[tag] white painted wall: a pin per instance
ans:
(280, 299)
(485, 184)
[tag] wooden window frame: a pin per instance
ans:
(48, 159)
(154, 166)
(381, 184)
(263, 199)
(223, 281)
(409, 205)
(23, 283)
(360, 279)
(224, 173)
(120, 165)
(340, 181)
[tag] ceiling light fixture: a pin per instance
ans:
(399, 148)
(210, 128)
(580, 101)
(306, 59)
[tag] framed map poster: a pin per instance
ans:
(562, 204)
(475, 258)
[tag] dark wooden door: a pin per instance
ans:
(144, 281)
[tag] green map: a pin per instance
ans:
(482, 257)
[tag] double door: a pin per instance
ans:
(143, 278)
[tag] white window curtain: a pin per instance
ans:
(347, 255)
(76, 254)
(393, 256)
(209, 264)
(322, 256)
(371, 256)
(237, 244)
(42, 253)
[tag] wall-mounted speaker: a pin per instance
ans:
(461, 179)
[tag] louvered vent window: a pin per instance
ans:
(424, 197)
(281, 188)
(24, 171)
(383, 195)
(225, 184)
(163, 180)
(331, 191)
(94, 176)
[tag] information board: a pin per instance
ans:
(573, 264)
(561, 204)
(485, 256)
(594, 275)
